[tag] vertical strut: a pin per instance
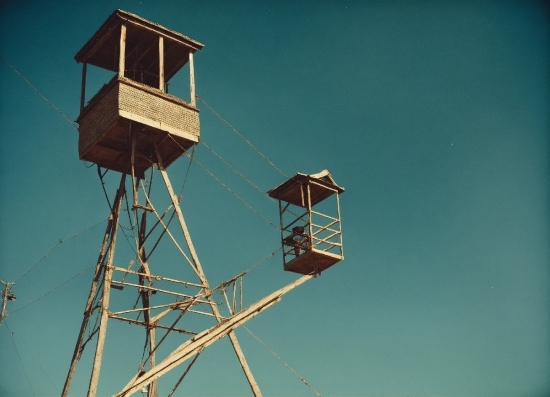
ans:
(232, 337)
(108, 237)
(107, 275)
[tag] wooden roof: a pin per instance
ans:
(141, 46)
(293, 191)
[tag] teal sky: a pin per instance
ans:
(435, 117)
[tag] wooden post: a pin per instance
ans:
(161, 63)
(88, 311)
(207, 337)
(192, 79)
(122, 55)
(83, 87)
(309, 216)
(107, 276)
(198, 268)
(153, 391)
(340, 224)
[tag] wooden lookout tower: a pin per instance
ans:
(311, 240)
(132, 125)
(135, 105)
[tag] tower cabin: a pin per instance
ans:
(311, 238)
(133, 119)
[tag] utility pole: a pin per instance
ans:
(7, 295)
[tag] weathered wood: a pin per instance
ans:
(152, 391)
(146, 287)
(144, 324)
(206, 338)
(83, 87)
(186, 283)
(107, 274)
(161, 63)
(88, 310)
(192, 79)
(122, 51)
(251, 381)
(340, 225)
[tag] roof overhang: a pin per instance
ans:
(102, 49)
(321, 186)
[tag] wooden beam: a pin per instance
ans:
(89, 304)
(161, 63)
(192, 79)
(122, 54)
(198, 268)
(107, 274)
(83, 87)
(206, 338)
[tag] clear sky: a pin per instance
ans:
(434, 116)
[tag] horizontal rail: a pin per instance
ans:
(325, 215)
(326, 239)
(296, 220)
(156, 289)
(121, 269)
(143, 323)
(173, 306)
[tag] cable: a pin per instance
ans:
(103, 185)
(281, 360)
(237, 172)
(55, 246)
(241, 135)
(235, 194)
(20, 359)
(188, 168)
(40, 365)
(39, 93)
(53, 289)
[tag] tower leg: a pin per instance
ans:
(108, 241)
(232, 337)
(107, 276)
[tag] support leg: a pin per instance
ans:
(108, 237)
(107, 276)
(232, 337)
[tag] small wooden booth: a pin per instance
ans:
(311, 240)
(135, 105)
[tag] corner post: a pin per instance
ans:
(83, 87)
(161, 63)
(192, 79)
(107, 276)
(122, 54)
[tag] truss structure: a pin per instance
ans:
(163, 301)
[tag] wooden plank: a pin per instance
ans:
(248, 373)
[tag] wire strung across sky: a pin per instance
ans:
(72, 123)
(20, 359)
(57, 245)
(192, 158)
(242, 136)
(283, 361)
